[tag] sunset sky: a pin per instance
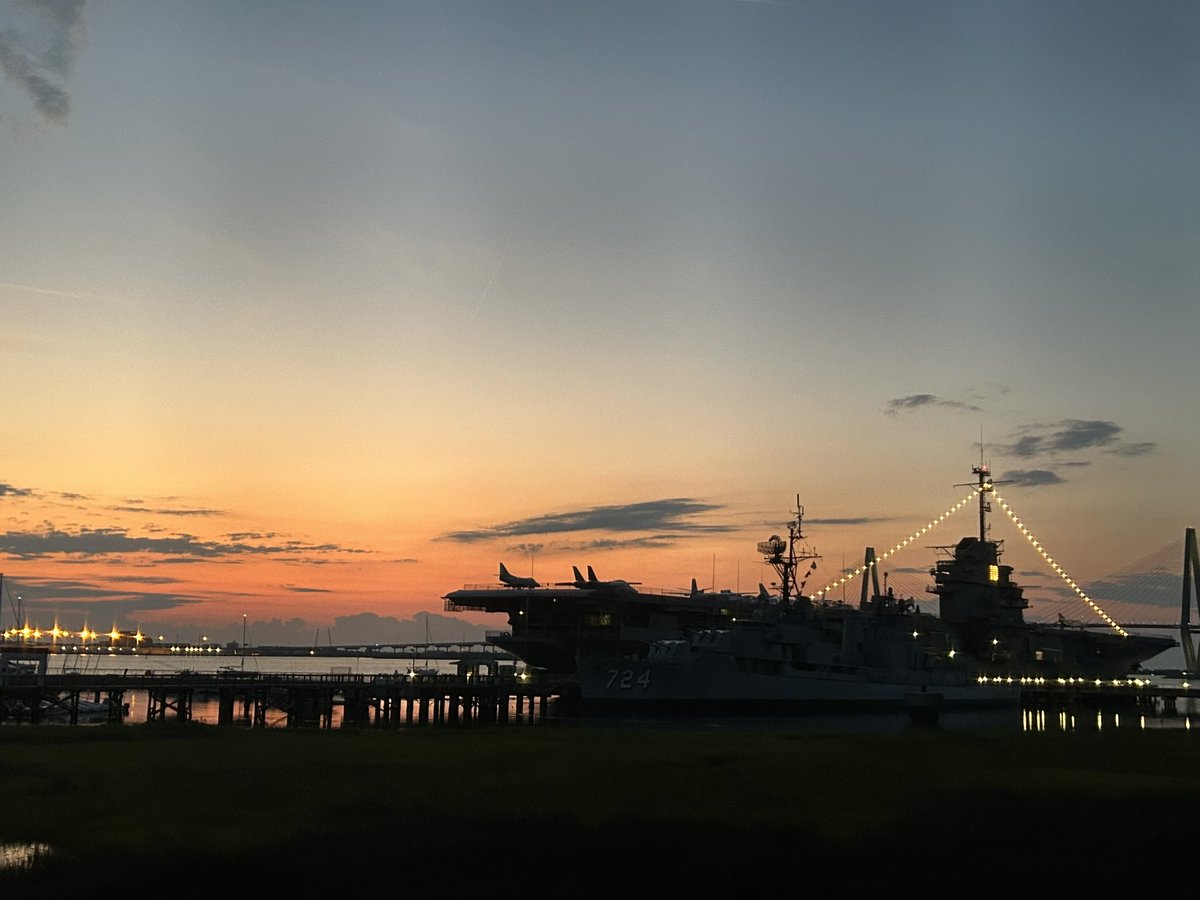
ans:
(312, 312)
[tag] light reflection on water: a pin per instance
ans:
(205, 708)
(1099, 720)
(23, 856)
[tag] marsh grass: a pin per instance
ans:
(597, 812)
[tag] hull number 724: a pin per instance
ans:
(624, 679)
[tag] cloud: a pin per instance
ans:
(1074, 436)
(851, 520)
(920, 401)
(1066, 435)
(87, 296)
(7, 490)
(38, 54)
(650, 542)
(142, 579)
(74, 603)
(90, 543)
(1134, 449)
(167, 511)
(525, 548)
(675, 515)
(1031, 477)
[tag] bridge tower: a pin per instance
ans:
(870, 580)
(1191, 588)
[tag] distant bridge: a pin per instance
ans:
(461, 650)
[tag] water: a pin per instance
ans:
(1025, 720)
(205, 708)
(205, 711)
(218, 662)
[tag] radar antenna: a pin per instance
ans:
(784, 557)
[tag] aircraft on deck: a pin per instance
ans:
(516, 581)
(618, 583)
(698, 591)
(579, 581)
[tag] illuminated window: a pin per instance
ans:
(993, 573)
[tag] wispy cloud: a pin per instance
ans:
(100, 542)
(850, 520)
(525, 548)
(1031, 477)
(87, 296)
(37, 52)
(75, 603)
(167, 511)
(921, 401)
(1073, 435)
(650, 542)
(675, 515)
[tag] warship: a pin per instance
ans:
(783, 649)
(794, 652)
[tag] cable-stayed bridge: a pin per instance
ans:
(1149, 593)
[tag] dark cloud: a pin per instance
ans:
(849, 520)
(89, 543)
(1031, 477)
(167, 511)
(1067, 436)
(1134, 449)
(652, 542)
(143, 579)
(38, 53)
(1045, 442)
(674, 515)
(1025, 447)
(920, 401)
(7, 490)
(75, 603)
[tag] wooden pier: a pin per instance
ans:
(1143, 695)
(315, 700)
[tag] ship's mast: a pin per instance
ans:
(985, 488)
(783, 556)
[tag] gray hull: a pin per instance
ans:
(717, 683)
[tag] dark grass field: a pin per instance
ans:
(193, 810)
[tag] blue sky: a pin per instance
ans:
(371, 276)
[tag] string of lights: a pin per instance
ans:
(900, 546)
(1034, 542)
(85, 634)
(1057, 568)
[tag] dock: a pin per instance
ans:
(314, 700)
